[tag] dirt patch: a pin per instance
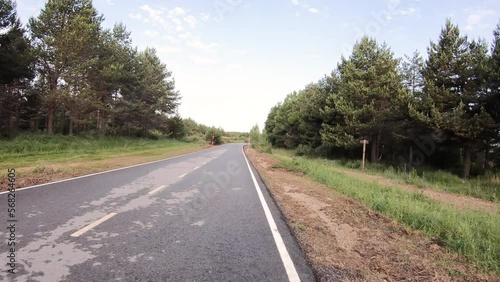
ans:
(34, 175)
(346, 241)
(460, 201)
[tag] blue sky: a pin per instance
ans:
(234, 59)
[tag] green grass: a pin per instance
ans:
(485, 187)
(30, 149)
(473, 234)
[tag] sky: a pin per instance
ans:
(232, 60)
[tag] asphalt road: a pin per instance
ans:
(198, 217)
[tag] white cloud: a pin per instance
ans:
(476, 19)
(186, 35)
(205, 17)
(179, 11)
(168, 49)
(202, 60)
(151, 33)
(313, 10)
(175, 19)
(177, 22)
(198, 44)
(110, 2)
(170, 38)
(154, 14)
(190, 20)
(135, 16)
(408, 11)
(304, 5)
(176, 12)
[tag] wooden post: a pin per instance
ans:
(363, 161)
(213, 137)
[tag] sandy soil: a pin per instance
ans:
(345, 241)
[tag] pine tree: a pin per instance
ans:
(411, 71)
(15, 65)
(493, 101)
(370, 97)
(493, 104)
(455, 89)
(65, 35)
(150, 96)
(111, 74)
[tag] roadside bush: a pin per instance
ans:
(303, 150)
(194, 139)
(266, 149)
(323, 151)
(217, 133)
(355, 164)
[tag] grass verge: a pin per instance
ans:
(486, 187)
(475, 235)
(43, 158)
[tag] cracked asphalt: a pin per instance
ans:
(196, 217)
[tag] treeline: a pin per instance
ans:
(64, 73)
(442, 111)
(193, 132)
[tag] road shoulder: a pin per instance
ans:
(344, 240)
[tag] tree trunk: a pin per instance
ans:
(467, 160)
(52, 105)
(486, 156)
(70, 126)
(98, 121)
(374, 153)
(411, 155)
(50, 121)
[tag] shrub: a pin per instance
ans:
(303, 150)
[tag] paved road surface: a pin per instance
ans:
(197, 217)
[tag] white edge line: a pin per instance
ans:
(278, 240)
(156, 190)
(93, 224)
(196, 168)
(102, 172)
(183, 175)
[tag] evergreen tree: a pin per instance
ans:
(370, 99)
(148, 97)
(15, 65)
(455, 90)
(64, 36)
(493, 101)
(411, 71)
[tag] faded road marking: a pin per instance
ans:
(93, 224)
(156, 190)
